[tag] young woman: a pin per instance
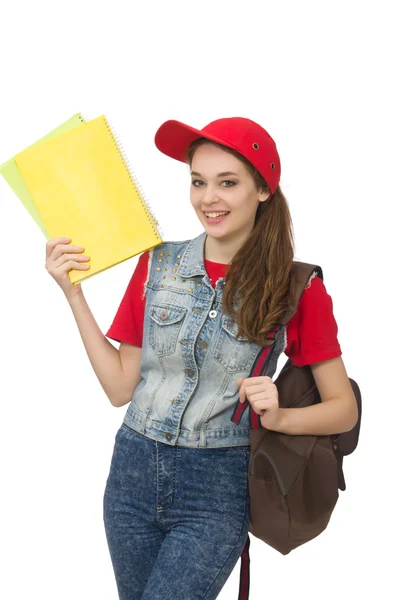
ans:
(190, 325)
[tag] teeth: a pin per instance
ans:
(216, 214)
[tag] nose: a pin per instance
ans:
(209, 196)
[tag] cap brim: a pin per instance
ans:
(173, 139)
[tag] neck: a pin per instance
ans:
(222, 250)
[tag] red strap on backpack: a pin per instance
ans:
(244, 589)
(259, 368)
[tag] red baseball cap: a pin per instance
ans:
(247, 137)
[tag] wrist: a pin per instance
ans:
(281, 423)
(75, 297)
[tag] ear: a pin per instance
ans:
(263, 196)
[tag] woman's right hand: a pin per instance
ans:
(62, 258)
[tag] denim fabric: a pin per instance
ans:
(176, 519)
(191, 355)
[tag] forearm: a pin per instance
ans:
(104, 357)
(325, 418)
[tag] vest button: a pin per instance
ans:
(213, 314)
(189, 372)
(168, 436)
(163, 315)
(202, 344)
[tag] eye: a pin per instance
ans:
(229, 183)
(197, 182)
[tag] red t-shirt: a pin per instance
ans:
(311, 333)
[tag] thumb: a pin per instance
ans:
(240, 381)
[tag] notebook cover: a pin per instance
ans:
(83, 189)
(14, 179)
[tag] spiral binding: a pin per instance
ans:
(134, 180)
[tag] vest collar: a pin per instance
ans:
(192, 261)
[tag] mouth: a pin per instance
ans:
(216, 217)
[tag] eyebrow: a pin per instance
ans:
(223, 174)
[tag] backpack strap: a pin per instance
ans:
(304, 272)
(244, 588)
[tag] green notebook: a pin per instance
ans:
(10, 172)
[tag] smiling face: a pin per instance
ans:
(222, 183)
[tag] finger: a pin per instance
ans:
(50, 245)
(261, 387)
(242, 396)
(261, 378)
(266, 404)
(261, 397)
(62, 249)
(65, 257)
(72, 264)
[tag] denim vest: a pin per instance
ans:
(191, 356)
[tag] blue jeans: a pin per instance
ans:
(176, 518)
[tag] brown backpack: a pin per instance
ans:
(293, 480)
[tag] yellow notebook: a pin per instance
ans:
(84, 188)
(14, 179)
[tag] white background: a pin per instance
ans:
(319, 77)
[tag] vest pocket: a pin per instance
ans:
(164, 326)
(232, 353)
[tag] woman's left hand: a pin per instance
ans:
(262, 394)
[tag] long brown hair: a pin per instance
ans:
(260, 277)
